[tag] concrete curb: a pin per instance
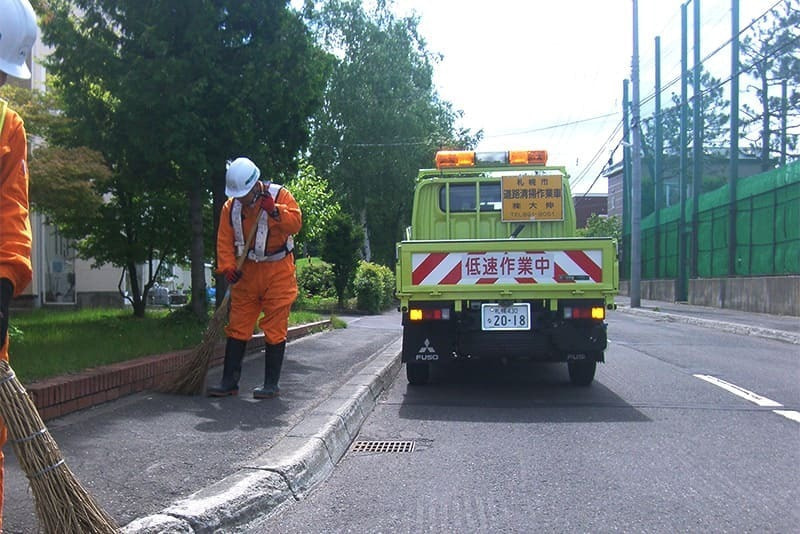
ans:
(735, 328)
(306, 456)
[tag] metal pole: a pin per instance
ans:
(658, 180)
(636, 175)
(681, 290)
(784, 112)
(626, 178)
(733, 176)
(697, 141)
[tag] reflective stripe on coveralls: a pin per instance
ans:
(15, 230)
(266, 286)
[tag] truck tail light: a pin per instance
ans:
(593, 312)
(429, 314)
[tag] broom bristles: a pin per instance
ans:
(62, 504)
(191, 377)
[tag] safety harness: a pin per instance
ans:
(259, 251)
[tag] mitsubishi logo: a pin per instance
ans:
(427, 352)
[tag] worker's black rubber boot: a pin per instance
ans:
(232, 369)
(273, 361)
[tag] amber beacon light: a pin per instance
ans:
(468, 158)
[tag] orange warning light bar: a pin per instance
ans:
(455, 158)
(527, 157)
(467, 158)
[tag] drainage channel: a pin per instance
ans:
(383, 446)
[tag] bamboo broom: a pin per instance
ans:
(191, 378)
(62, 505)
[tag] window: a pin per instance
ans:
(462, 197)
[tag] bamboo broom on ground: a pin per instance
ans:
(62, 504)
(191, 378)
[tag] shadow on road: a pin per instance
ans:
(521, 392)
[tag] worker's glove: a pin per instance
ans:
(6, 292)
(268, 205)
(232, 275)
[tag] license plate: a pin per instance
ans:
(513, 317)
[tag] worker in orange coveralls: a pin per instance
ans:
(266, 282)
(17, 34)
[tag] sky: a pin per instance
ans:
(548, 74)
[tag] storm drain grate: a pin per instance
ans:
(383, 446)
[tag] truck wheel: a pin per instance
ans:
(581, 373)
(417, 373)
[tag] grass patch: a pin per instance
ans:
(49, 342)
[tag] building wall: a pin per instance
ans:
(586, 205)
(59, 277)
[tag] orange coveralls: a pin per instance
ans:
(15, 228)
(266, 286)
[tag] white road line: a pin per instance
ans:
(741, 392)
(789, 414)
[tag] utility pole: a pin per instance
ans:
(784, 112)
(681, 290)
(733, 175)
(658, 180)
(636, 174)
(697, 143)
(626, 183)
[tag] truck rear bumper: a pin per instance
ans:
(447, 340)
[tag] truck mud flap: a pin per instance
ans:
(427, 343)
(580, 338)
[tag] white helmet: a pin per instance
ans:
(17, 34)
(241, 176)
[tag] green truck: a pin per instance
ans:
(490, 267)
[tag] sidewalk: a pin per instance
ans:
(779, 327)
(169, 463)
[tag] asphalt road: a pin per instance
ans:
(679, 433)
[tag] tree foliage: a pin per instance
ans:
(381, 119)
(168, 91)
(317, 202)
(772, 56)
(601, 226)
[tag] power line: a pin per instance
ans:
(555, 126)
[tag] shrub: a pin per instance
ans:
(389, 287)
(341, 240)
(316, 280)
(373, 286)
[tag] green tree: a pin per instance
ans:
(167, 92)
(601, 226)
(381, 120)
(772, 56)
(715, 129)
(341, 241)
(317, 202)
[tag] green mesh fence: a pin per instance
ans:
(767, 230)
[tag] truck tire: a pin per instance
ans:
(581, 373)
(417, 373)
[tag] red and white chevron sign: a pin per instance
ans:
(468, 268)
